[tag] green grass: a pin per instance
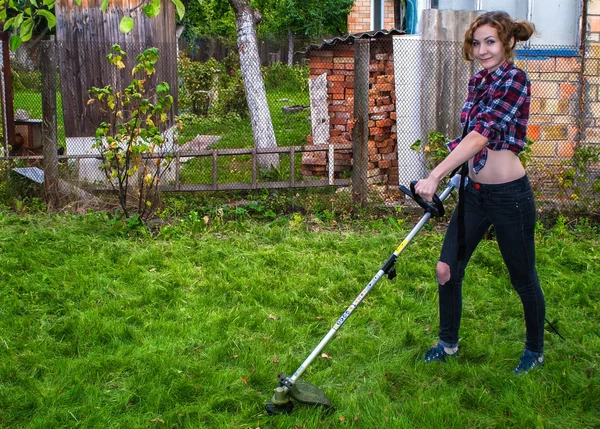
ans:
(189, 329)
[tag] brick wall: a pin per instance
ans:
(338, 63)
(359, 20)
(554, 104)
(591, 133)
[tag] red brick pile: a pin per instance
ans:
(339, 66)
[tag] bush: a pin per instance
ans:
(212, 87)
(232, 97)
(282, 76)
(199, 82)
(27, 80)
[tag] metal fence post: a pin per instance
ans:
(360, 132)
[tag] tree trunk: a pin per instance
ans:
(290, 47)
(49, 141)
(260, 117)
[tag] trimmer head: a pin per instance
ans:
(301, 391)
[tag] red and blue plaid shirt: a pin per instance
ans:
(497, 107)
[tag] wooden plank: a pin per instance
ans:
(319, 109)
(249, 186)
(85, 35)
(8, 115)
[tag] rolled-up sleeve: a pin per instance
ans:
(504, 108)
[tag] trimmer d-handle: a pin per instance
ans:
(435, 208)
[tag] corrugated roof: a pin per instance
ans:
(350, 38)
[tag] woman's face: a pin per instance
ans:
(487, 47)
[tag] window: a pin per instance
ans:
(377, 16)
(556, 21)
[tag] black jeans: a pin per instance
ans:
(510, 208)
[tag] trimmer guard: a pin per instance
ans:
(307, 393)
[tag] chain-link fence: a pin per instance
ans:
(372, 112)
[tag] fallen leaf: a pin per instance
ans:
(245, 380)
(276, 359)
(326, 356)
(114, 386)
(206, 220)
(235, 356)
(273, 317)
(157, 420)
(319, 318)
(342, 418)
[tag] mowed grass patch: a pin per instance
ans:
(101, 329)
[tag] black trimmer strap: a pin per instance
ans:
(462, 240)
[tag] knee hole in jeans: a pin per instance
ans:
(442, 272)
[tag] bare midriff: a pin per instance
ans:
(501, 166)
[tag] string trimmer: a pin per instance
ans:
(292, 387)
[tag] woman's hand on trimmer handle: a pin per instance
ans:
(426, 188)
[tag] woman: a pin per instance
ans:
(497, 191)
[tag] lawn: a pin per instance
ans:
(101, 327)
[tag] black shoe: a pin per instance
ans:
(437, 353)
(528, 361)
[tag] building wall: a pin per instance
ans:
(565, 102)
(591, 94)
(359, 20)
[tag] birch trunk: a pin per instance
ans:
(260, 117)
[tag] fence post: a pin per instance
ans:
(360, 132)
(49, 143)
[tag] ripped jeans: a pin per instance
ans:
(510, 208)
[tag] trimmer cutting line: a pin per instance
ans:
(292, 387)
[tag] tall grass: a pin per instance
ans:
(101, 327)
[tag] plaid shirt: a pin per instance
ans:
(498, 103)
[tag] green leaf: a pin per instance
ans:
(8, 24)
(180, 8)
(49, 17)
(152, 9)
(162, 87)
(104, 5)
(27, 30)
(126, 24)
(34, 2)
(18, 21)
(14, 42)
(50, 3)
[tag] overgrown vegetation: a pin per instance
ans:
(581, 180)
(104, 325)
(212, 88)
(135, 154)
